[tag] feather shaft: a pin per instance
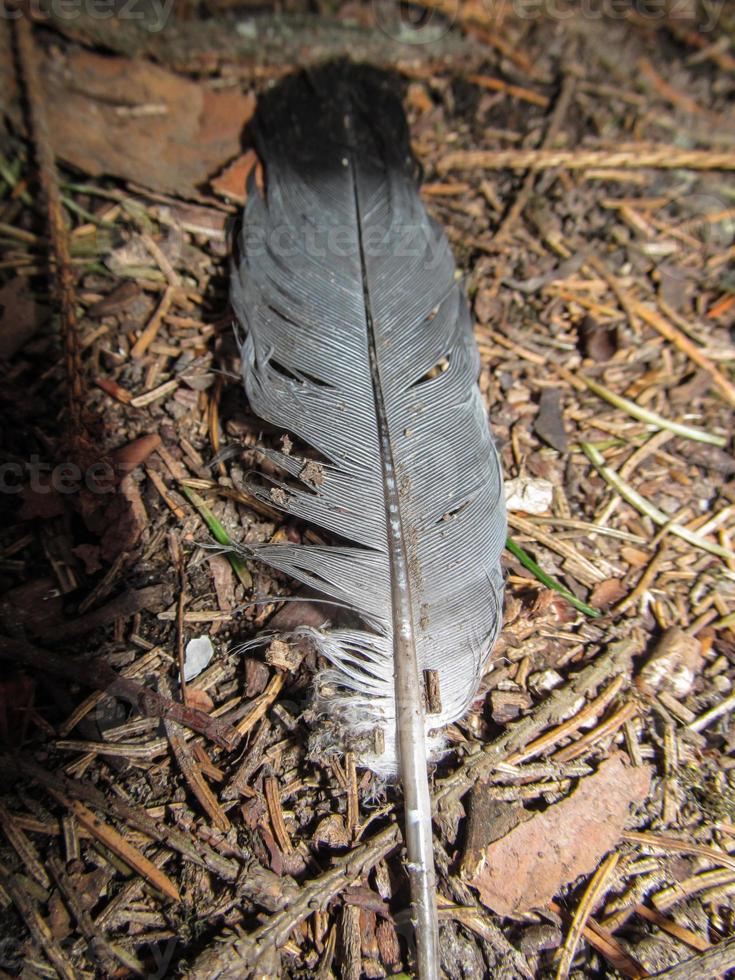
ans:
(410, 720)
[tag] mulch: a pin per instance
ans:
(151, 826)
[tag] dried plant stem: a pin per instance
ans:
(629, 494)
(64, 278)
(652, 418)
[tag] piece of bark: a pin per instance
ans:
(549, 422)
(527, 866)
(140, 122)
(607, 593)
(232, 183)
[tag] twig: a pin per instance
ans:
(557, 118)
(58, 233)
(717, 711)
(666, 843)
(712, 963)
(184, 844)
(654, 319)
(102, 677)
(589, 712)
(610, 725)
(616, 660)
(275, 811)
(192, 773)
(116, 843)
(101, 950)
(37, 925)
(658, 157)
(24, 847)
(239, 957)
(585, 570)
(150, 331)
(606, 944)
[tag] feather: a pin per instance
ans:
(357, 340)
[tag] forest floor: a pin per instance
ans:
(585, 815)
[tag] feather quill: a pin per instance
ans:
(357, 340)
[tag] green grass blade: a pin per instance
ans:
(219, 534)
(547, 580)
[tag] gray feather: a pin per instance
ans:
(357, 339)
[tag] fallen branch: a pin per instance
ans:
(64, 282)
(616, 660)
(101, 676)
(713, 963)
(238, 957)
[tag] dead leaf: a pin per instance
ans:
(140, 122)
(527, 866)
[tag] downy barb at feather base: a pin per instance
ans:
(357, 341)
